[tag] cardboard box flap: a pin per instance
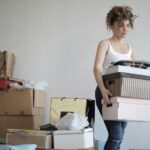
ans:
(39, 98)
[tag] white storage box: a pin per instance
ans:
(128, 109)
(127, 69)
(73, 139)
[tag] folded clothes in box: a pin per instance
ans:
(128, 109)
(128, 85)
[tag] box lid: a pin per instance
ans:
(122, 74)
(127, 69)
(73, 131)
(130, 100)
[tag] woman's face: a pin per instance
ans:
(121, 29)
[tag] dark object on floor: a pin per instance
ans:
(48, 127)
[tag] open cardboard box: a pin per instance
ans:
(41, 140)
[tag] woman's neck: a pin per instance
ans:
(117, 40)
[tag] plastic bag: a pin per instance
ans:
(72, 121)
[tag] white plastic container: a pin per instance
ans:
(73, 139)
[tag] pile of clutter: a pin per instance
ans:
(22, 110)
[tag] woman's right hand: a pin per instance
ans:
(106, 96)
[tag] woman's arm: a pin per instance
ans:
(98, 69)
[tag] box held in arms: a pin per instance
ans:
(128, 85)
(22, 102)
(43, 139)
(61, 106)
(73, 139)
(19, 122)
(128, 109)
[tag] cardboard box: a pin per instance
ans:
(19, 122)
(128, 85)
(7, 63)
(128, 109)
(22, 102)
(73, 139)
(42, 140)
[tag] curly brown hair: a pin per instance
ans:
(119, 14)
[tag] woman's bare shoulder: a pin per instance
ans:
(103, 45)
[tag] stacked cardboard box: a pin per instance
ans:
(130, 89)
(21, 109)
(59, 139)
(63, 139)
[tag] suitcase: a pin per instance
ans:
(60, 106)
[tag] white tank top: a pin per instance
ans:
(114, 56)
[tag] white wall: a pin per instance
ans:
(56, 40)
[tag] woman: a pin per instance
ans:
(119, 20)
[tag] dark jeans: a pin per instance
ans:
(115, 128)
